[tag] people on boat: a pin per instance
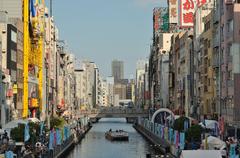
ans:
(110, 130)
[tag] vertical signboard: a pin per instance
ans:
(164, 19)
(156, 14)
(161, 19)
(173, 11)
(187, 9)
(187, 13)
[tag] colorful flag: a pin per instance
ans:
(170, 135)
(176, 138)
(32, 8)
(51, 139)
(166, 133)
(186, 125)
(177, 142)
(9, 154)
(162, 132)
(55, 137)
(182, 141)
(59, 137)
(41, 128)
(232, 152)
(26, 133)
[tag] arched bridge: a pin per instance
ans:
(115, 112)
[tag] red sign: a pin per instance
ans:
(187, 9)
(201, 2)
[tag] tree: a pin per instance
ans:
(57, 122)
(179, 123)
(194, 133)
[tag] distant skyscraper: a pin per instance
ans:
(117, 70)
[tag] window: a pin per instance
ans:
(230, 75)
(13, 75)
(230, 25)
(13, 36)
(13, 56)
(209, 43)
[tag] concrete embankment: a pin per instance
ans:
(159, 144)
(62, 150)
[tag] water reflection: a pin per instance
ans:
(94, 145)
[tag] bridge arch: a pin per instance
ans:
(158, 115)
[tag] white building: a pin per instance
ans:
(110, 86)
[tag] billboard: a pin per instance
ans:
(173, 11)
(160, 19)
(187, 9)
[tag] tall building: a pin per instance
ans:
(110, 89)
(117, 70)
(13, 7)
(158, 65)
(229, 61)
(120, 90)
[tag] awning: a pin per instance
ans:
(201, 154)
(209, 124)
(13, 124)
(214, 142)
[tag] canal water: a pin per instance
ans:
(94, 145)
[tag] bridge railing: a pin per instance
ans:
(114, 111)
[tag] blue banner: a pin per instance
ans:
(232, 151)
(51, 140)
(170, 135)
(186, 125)
(41, 128)
(59, 137)
(9, 154)
(32, 8)
(26, 133)
(182, 141)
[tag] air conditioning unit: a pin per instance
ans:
(4, 31)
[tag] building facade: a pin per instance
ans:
(117, 70)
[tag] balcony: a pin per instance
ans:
(215, 60)
(229, 2)
(216, 16)
(230, 83)
(229, 59)
(216, 40)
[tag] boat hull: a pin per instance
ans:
(116, 137)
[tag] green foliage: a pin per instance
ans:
(17, 133)
(57, 122)
(179, 123)
(194, 133)
(34, 129)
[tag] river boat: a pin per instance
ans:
(118, 135)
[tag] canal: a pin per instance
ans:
(94, 145)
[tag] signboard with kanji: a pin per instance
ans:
(187, 13)
(173, 11)
(187, 9)
(160, 19)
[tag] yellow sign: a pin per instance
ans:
(34, 103)
(15, 87)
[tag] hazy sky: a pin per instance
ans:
(103, 30)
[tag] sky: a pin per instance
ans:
(103, 30)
